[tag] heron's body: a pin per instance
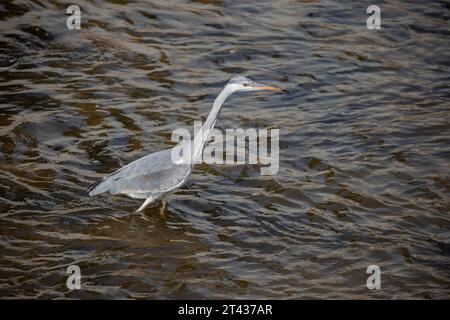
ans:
(149, 178)
(154, 175)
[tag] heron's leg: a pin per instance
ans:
(163, 209)
(143, 216)
(146, 203)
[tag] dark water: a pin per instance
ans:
(364, 138)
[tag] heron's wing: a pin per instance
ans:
(156, 182)
(154, 173)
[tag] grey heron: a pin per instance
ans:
(155, 175)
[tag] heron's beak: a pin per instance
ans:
(261, 86)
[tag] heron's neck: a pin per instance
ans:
(202, 137)
(212, 117)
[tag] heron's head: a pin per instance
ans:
(240, 83)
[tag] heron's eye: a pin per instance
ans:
(245, 84)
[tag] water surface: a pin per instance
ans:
(364, 149)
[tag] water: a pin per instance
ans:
(364, 149)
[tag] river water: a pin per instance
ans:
(364, 173)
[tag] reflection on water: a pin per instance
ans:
(364, 138)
